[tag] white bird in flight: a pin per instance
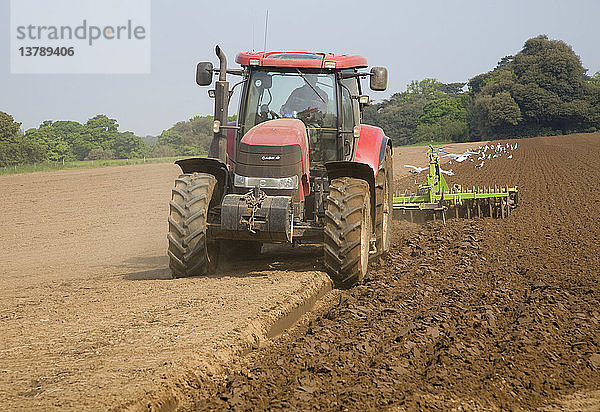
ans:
(480, 165)
(415, 170)
(447, 172)
(461, 158)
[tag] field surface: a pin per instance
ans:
(474, 314)
(89, 317)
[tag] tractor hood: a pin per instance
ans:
(279, 133)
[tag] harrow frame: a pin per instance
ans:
(436, 197)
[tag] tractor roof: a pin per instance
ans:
(301, 59)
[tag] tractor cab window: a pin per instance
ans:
(350, 107)
(307, 96)
(347, 112)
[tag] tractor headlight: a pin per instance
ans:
(266, 182)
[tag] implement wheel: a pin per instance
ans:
(383, 194)
(347, 231)
(190, 252)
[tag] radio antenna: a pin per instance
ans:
(266, 26)
(252, 18)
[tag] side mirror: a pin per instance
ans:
(204, 73)
(378, 79)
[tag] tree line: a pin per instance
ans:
(541, 90)
(98, 139)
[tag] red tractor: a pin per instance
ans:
(296, 167)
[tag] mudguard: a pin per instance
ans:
(371, 147)
(369, 159)
(210, 166)
(356, 170)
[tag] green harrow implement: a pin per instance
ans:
(435, 198)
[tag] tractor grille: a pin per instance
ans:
(269, 161)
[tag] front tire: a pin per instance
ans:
(190, 252)
(347, 231)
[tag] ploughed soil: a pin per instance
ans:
(477, 314)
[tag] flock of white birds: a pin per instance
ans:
(483, 153)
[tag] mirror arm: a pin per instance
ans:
(357, 74)
(236, 72)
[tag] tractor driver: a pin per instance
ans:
(309, 100)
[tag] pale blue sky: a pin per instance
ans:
(447, 40)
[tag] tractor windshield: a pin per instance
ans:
(310, 97)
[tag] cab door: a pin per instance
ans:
(350, 116)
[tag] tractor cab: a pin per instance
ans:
(320, 89)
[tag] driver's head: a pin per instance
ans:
(312, 79)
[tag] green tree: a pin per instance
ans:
(595, 79)
(14, 147)
(443, 119)
(103, 131)
(55, 147)
(128, 145)
(552, 65)
(427, 87)
(99, 138)
(189, 138)
(493, 115)
(541, 90)
(399, 115)
(8, 127)
(100, 154)
(10, 143)
(102, 122)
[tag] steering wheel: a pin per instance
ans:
(274, 115)
(311, 115)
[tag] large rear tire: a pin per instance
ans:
(384, 196)
(347, 231)
(190, 252)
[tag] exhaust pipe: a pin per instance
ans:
(218, 146)
(222, 63)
